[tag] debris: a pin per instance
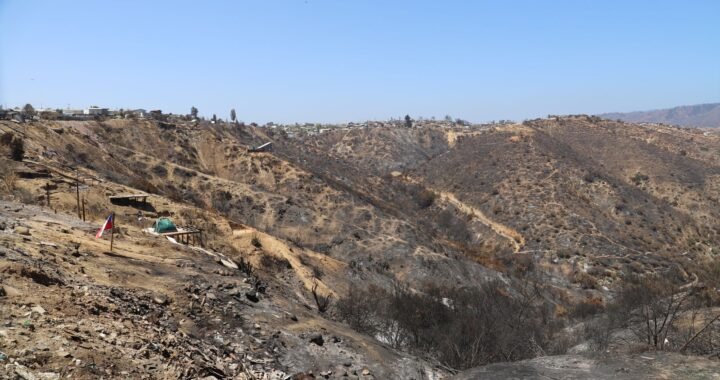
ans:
(62, 353)
(38, 309)
(228, 263)
(25, 373)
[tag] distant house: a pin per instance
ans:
(140, 113)
(69, 112)
(96, 111)
(11, 115)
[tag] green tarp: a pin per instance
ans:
(163, 225)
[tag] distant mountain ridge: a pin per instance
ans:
(700, 115)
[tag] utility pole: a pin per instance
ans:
(112, 231)
(47, 193)
(77, 190)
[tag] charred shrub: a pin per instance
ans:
(160, 171)
(274, 264)
(6, 138)
(588, 307)
(180, 172)
(144, 185)
(453, 227)
(222, 201)
(585, 280)
(460, 327)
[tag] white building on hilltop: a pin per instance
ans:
(94, 110)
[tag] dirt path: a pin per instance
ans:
(278, 248)
(515, 238)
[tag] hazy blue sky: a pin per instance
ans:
(311, 60)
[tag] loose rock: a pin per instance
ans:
(317, 339)
(22, 230)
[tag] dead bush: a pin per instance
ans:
(460, 327)
(274, 264)
(358, 309)
(144, 185)
(8, 175)
(6, 138)
(222, 201)
(588, 307)
(321, 301)
(650, 306)
(180, 172)
(585, 280)
(425, 198)
(160, 171)
(598, 333)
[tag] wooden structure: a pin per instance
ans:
(267, 147)
(27, 173)
(129, 198)
(188, 236)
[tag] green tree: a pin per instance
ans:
(28, 110)
(233, 115)
(408, 121)
(214, 119)
(193, 112)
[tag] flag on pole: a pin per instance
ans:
(108, 225)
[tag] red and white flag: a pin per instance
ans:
(108, 225)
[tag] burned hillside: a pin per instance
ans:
(359, 235)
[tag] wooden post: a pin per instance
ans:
(47, 193)
(77, 190)
(112, 231)
(83, 208)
